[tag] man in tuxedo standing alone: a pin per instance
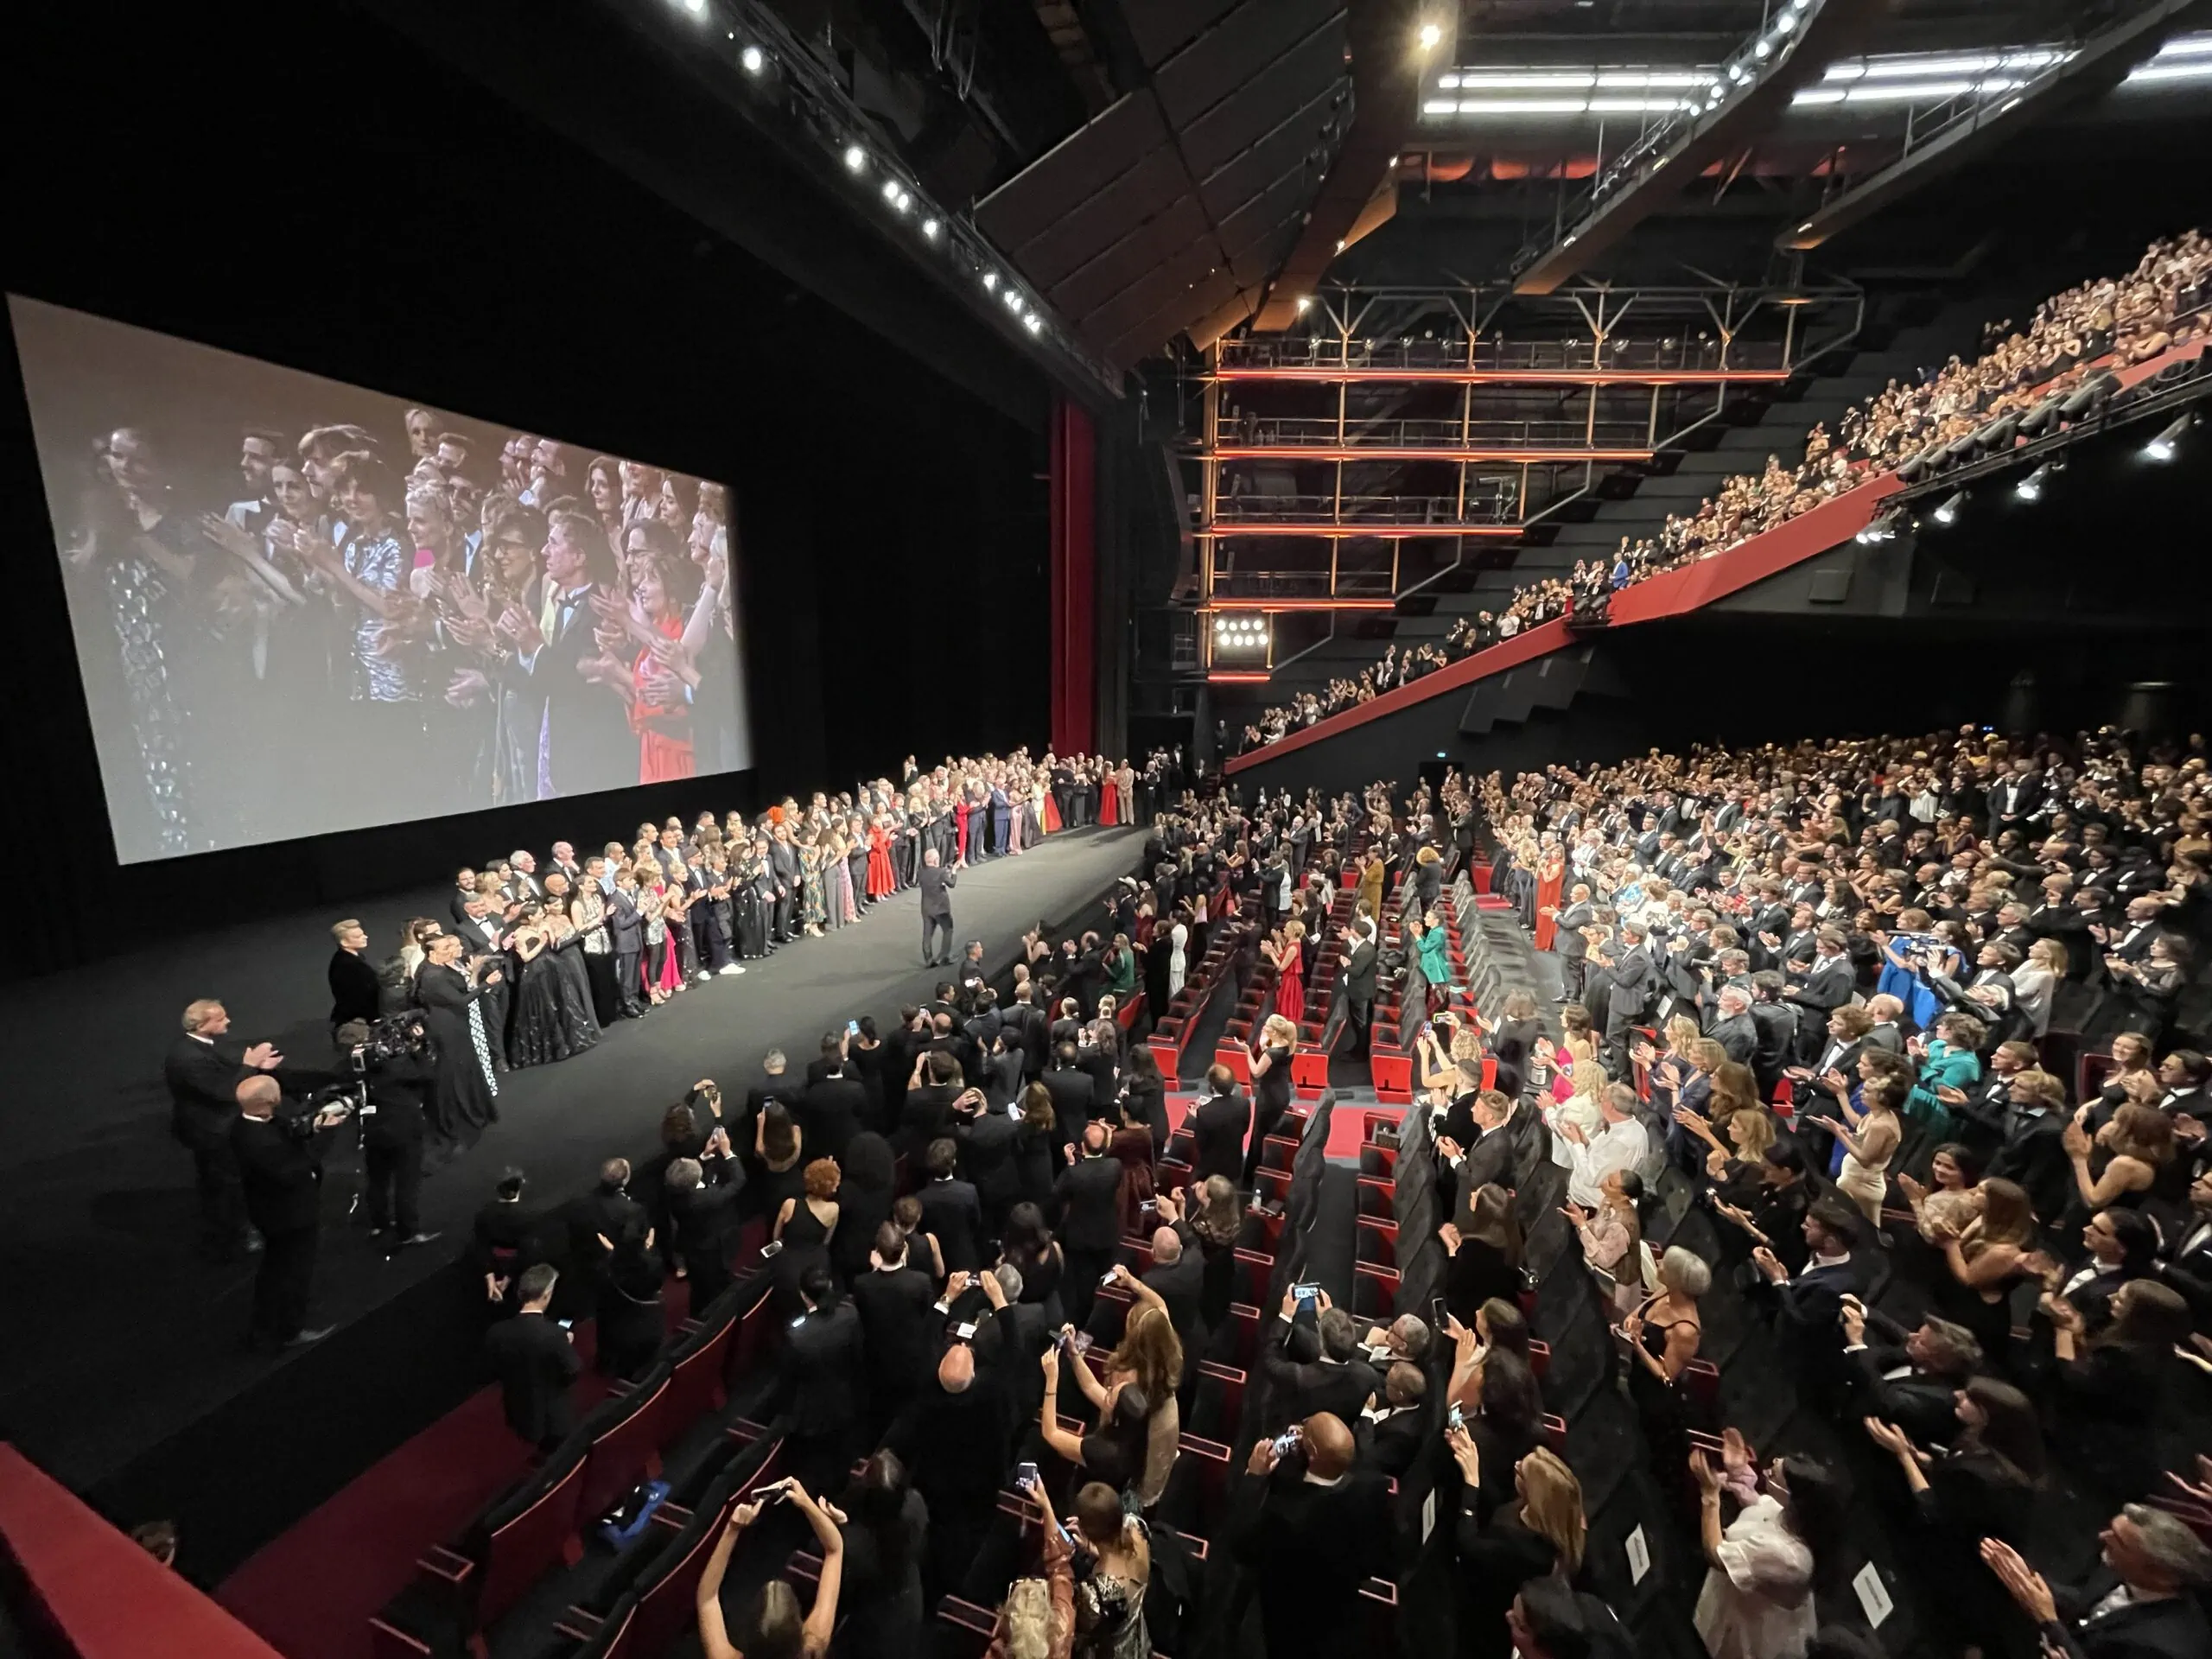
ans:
(203, 1073)
(1355, 996)
(937, 885)
(280, 1167)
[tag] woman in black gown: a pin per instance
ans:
(752, 890)
(805, 1224)
(1270, 1089)
(575, 979)
(548, 1020)
(465, 1086)
(1510, 1041)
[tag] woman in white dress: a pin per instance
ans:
(1177, 964)
(1757, 1599)
(2033, 982)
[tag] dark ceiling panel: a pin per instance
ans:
(1163, 27)
(1268, 158)
(1252, 231)
(1204, 300)
(1130, 260)
(1230, 55)
(1072, 171)
(1101, 221)
(1193, 263)
(1315, 65)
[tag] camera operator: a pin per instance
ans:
(393, 1063)
(280, 1160)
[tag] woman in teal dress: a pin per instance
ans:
(1949, 1067)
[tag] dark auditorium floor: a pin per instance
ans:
(125, 1373)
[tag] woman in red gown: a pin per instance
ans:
(1290, 977)
(1052, 810)
(663, 729)
(881, 881)
(1109, 791)
(1550, 875)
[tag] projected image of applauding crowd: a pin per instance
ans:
(295, 602)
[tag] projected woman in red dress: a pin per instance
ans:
(659, 715)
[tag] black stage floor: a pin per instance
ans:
(118, 1339)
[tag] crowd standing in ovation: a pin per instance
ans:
(2111, 323)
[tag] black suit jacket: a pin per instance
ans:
(282, 1173)
(588, 731)
(951, 1211)
(896, 1322)
(1074, 1092)
(1089, 1192)
(823, 1354)
(1182, 1287)
(2172, 1629)
(352, 989)
(986, 1158)
(1219, 1127)
(830, 1114)
(1390, 1446)
(1359, 973)
(1309, 1547)
(1300, 1386)
(203, 1079)
(535, 1363)
(1919, 1402)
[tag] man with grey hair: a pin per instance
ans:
(2142, 1603)
(1619, 1144)
(203, 1070)
(1910, 1378)
(1406, 1338)
(1734, 1029)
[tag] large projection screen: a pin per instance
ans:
(301, 607)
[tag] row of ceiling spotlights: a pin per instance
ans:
(2163, 447)
(754, 62)
(1240, 629)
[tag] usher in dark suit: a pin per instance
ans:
(352, 989)
(280, 1171)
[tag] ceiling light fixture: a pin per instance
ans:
(2161, 447)
(1948, 513)
(753, 59)
(929, 229)
(855, 158)
(2031, 487)
(1431, 35)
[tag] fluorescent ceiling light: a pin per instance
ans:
(1818, 95)
(1636, 105)
(1522, 81)
(1440, 106)
(1522, 106)
(2187, 46)
(2186, 70)
(1637, 79)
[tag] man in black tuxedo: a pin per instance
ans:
(1308, 1525)
(822, 1382)
(1394, 1427)
(1218, 1129)
(606, 1212)
(830, 1112)
(782, 866)
(937, 884)
(892, 1299)
(2032, 1152)
(2186, 1263)
(1073, 1090)
(1088, 1200)
(280, 1169)
(203, 1072)
(626, 932)
(2142, 1602)
(588, 738)
(1630, 980)
(988, 1140)
(391, 1142)
(1827, 986)
(1910, 1378)
(702, 1218)
(352, 980)
(535, 1363)
(951, 1213)
(1806, 1307)
(1177, 1279)
(1353, 1001)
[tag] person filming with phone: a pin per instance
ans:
(773, 1625)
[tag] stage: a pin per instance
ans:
(125, 1374)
